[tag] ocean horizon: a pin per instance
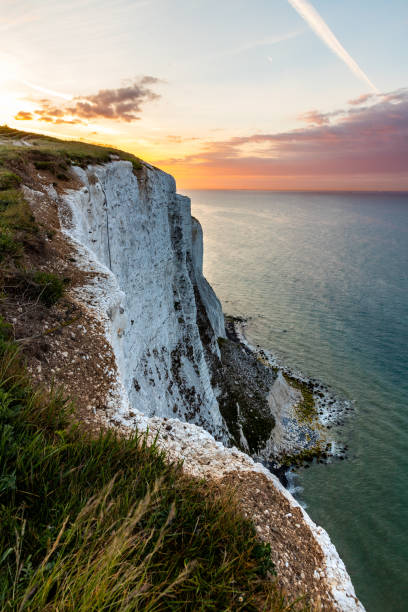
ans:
(323, 279)
(328, 191)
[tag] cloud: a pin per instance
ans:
(361, 99)
(319, 26)
(362, 141)
(48, 113)
(175, 139)
(265, 42)
(121, 104)
(317, 118)
(24, 116)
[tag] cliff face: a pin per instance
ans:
(139, 234)
(145, 351)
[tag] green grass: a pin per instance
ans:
(48, 287)
(15, 212)
(17, 230)
(9, 180)
(49, 153)
(18, 227)
(106, 523)
(9, 247)
(17, 224)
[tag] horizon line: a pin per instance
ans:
(401, 191)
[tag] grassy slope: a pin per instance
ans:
(107, 524)
(59, 154)
(102, 523)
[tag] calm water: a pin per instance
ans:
(332, 270)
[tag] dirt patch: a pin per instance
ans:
(297, 557)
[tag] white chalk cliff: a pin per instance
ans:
(140, 234)
(163, 320)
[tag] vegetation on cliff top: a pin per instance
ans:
(106, 523)
(19, 234)
(52, 154)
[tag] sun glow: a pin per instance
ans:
(9, 69)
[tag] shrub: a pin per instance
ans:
(6, 329)
(9, 197)
(44, 165)
(136, 163)
(6, 335)
(15, 212)
(9, 180)
(8, 246)
(47, 286)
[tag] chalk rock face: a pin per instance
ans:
(140, 234)
(207, 297)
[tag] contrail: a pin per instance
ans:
(312, 17)
(50, 92)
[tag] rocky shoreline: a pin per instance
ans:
(305, 432)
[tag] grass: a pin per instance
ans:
(56, 155)
(48, 287)
(9, 247)
(9, 180)
(15, 213)
(17, 223)
(106, 523)
(18, 228)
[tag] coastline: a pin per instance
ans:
(307, 440)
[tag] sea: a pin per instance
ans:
(323, 280)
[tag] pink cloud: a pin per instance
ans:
(317, 118)
(361, 99)
(365, 141)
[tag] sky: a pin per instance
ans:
(226, 94)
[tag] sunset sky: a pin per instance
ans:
(235, 94)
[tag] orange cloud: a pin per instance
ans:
(121, 104)
(24, 116)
